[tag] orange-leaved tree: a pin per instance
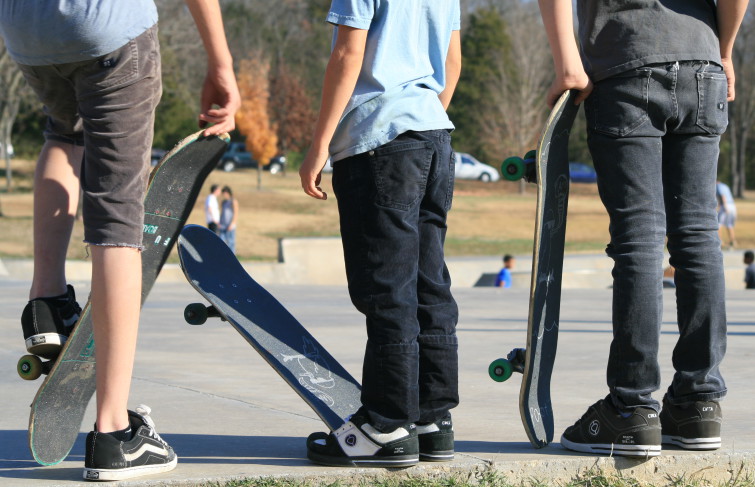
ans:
(253, 119)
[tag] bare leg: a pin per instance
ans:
(56, 196)
(116, 302)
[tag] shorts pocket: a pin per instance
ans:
(619, 105)
(712, 108)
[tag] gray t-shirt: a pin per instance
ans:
(44, 32)
(619, 35)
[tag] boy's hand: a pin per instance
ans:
(729, 71)
(578, 81)
(311, 173)
(219, 102)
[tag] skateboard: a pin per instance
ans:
(61, 401)
(213, 270)
(548, 167)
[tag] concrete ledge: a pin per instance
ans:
(319, 261)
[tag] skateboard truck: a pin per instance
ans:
(501, 370)
(197, 313)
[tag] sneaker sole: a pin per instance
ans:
(613, 449)
(436, 456)
(128, 473)
(46, 345)
(693, 443)
(370, 462)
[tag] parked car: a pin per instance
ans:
(237, 156)
(467, 167)
(582, 173)
(157, 154)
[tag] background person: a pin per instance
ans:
(212, 208)
(504, 279)
(229, 213)
(749, 261)
(727, 211)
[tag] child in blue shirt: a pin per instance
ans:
(503, 279)
(391, 75)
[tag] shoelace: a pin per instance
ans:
(144, 411)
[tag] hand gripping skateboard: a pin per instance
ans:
(62, 399)
(548, 166)
(213, 270)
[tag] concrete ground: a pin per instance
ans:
(229, 416)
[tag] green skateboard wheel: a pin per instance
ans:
(500, 370)
(29, 367)
(513, 168)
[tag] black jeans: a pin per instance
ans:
(393, 203)
(654, 134)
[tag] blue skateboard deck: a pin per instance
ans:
(215, 272)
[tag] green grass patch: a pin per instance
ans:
(491, 478)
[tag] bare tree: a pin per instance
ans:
(12, 84)
(516, 111)
(742, 109)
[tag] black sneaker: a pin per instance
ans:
(436, 440)
(145, 453)
(692, 426)
(47, 322)
(602, 429)
(358, 444)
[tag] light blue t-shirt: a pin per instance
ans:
(43, 32)
(403, 70)
(724, 195)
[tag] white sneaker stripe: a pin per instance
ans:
(130, 457)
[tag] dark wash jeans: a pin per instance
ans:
(393, 203)
(654, 134)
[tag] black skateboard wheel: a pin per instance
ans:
(30, 367)
(500, 370)
(195, 314)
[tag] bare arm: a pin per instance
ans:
(220, 95)
(340, 79)
(570, 74)
(453, 68)
(730, 15)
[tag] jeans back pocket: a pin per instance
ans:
(619, 105)
(712, 108)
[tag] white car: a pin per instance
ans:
(467, 167)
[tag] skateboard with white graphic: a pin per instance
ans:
(548, 167)
(214, 271)
(61, 401)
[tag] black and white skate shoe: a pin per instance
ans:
(605, 430)
(436, 440)
(145, 453)
(47, 323)
(358, 444)
(692, 426)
